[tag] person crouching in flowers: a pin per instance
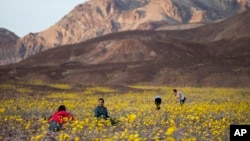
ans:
(158, 102)
(180, 96)
(59, 118)
(100, 110)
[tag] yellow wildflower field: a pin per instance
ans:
(206, 114)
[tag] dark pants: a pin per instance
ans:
(183, 100)
(54, 126)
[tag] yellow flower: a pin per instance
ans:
(131, 117)
(76, 139)
(108, 140)
(38, 137)
(2, 110)
(170, 139)
(170, 130)
(189, 139)
(64, 136)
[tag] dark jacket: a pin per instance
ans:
(101, 112)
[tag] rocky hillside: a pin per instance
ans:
(96, 18)
(7, 51)
(214, 55)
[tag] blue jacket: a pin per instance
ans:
(101, 112)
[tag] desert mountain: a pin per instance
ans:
(214, 55)
(7, 41)
(100, 17)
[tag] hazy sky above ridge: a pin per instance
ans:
(25, 16)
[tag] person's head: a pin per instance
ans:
(61, 108)
(100, 101)
(175, 91)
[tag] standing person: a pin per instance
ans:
(180, 96)
(158, 102)
(59, 118)
(100, 110)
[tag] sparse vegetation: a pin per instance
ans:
(61, 86)
(206, 115)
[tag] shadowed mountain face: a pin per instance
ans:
(7, 41)
(95, 18)
(215, 55)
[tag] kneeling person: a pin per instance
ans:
(100, 110)
(158, 102)
(59, 118)
(180, 96)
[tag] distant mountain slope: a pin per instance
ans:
(7, 41)
(114, 47)
(96, 18)
(180, 58)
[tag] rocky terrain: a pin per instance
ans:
(95, 18)
(213, 55)
(8, 40)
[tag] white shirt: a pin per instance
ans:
(157, 97)
(181, 95)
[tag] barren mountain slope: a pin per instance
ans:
(7, 41)
(147, 57)
(96, 18)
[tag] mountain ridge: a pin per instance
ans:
(173, 58)
(96, 18)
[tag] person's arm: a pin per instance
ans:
(178, 96)
(48, 118)
(71, 117)
(96, 112)
(106, 113)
